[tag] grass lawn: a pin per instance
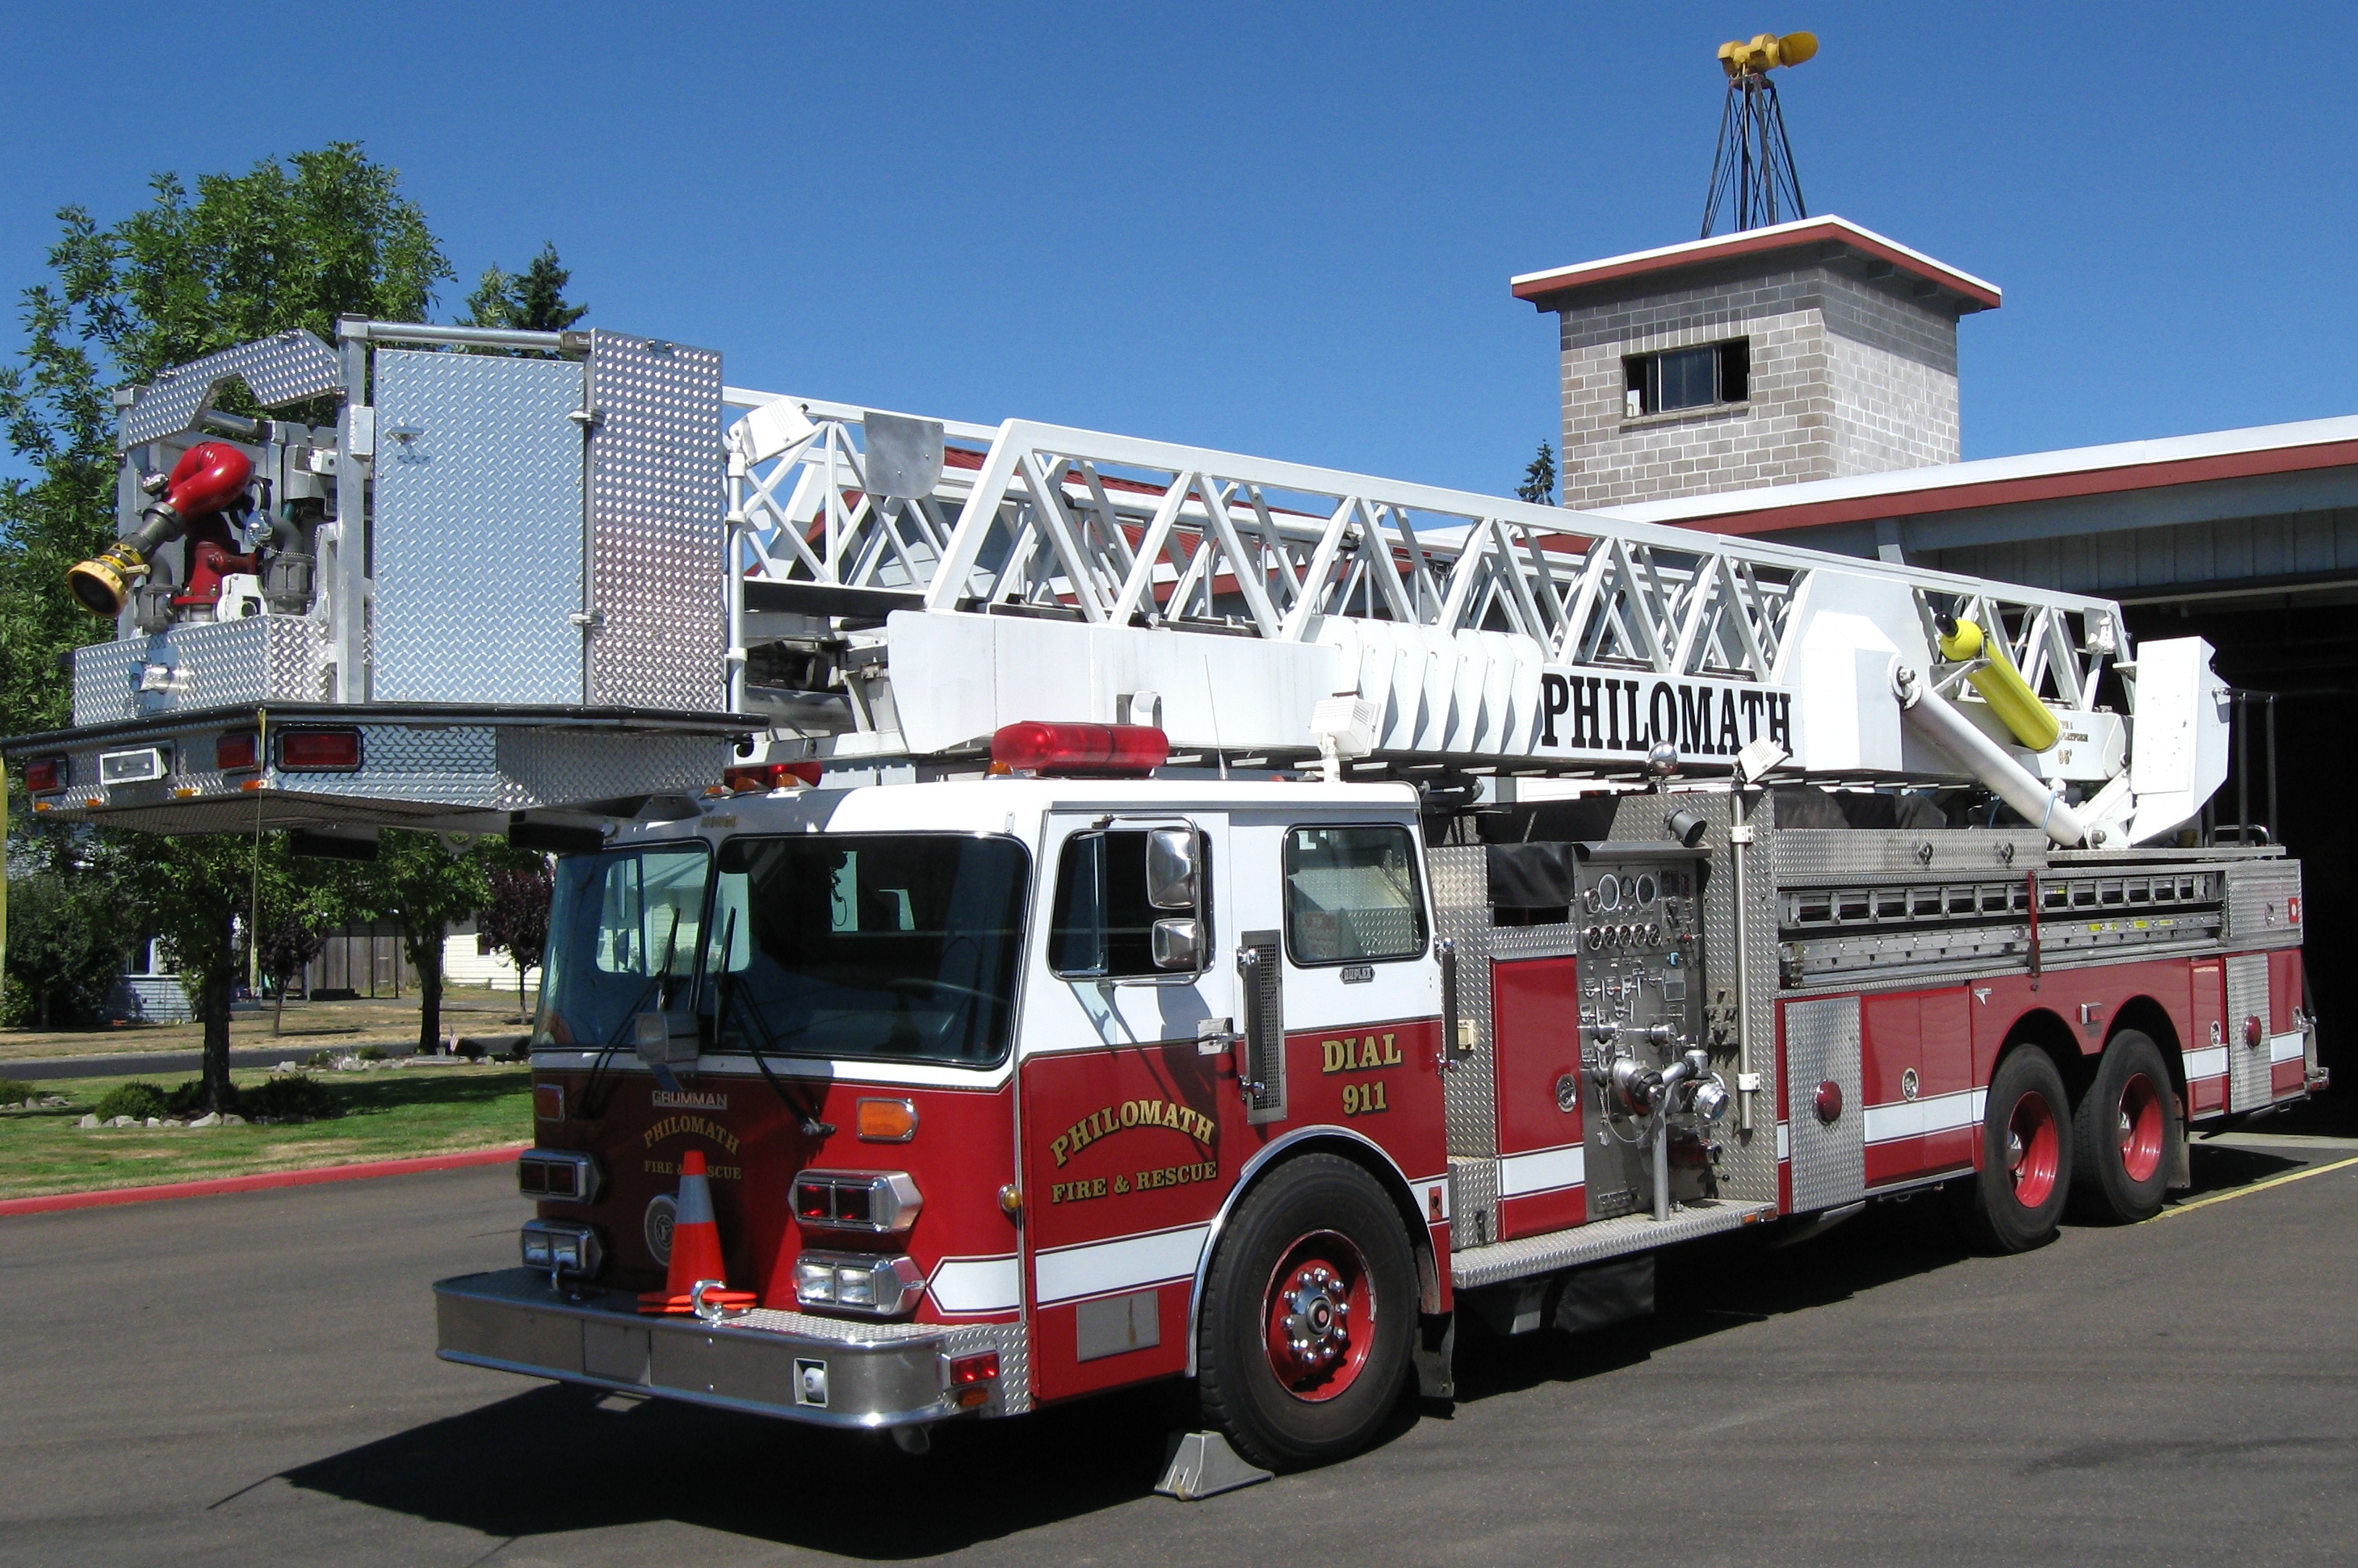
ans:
(428, 1108)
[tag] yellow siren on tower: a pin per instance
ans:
(1766, 52)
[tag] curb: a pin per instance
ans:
(214, 1185)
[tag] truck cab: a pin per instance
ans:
(979, 1070)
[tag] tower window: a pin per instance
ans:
(1688, 378)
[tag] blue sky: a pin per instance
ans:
(1282, 229)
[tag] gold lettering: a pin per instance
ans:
(1391, 1051)
(1337, 1053)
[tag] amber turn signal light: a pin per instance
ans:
(886, 1120)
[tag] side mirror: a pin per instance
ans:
(1178, 944)
(1171, 875)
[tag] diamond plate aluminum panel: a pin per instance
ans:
(1748, 1167)
(277, 370)
(1598, 1239)
(1473, 1201)
(549, 765)
(478, 532)
(656, 495)
(2259, 903)
(214, 664)
(1460, 876)
(2248, 1069)
(1814, 854)
(1821, 1042)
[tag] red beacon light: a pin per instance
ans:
(1037, 747)
(762, 777)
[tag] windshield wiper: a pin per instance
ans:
(629, 1021)
(812, 1127)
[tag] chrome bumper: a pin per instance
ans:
(867, 1375)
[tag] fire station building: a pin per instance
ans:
(1801, 382)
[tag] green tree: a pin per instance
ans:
(70, 936)
(301, 901)
(193, 893)
(423, 888)
(291, 243)
(1539, 480)
(531, 302)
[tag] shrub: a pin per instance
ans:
(134, 1100)
(371, 1052)
(15, 1090)
(472, 1049)
(292, 1097)
(189, 1100)
(319, 1059)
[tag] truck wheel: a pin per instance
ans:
(2120, 1134)
(2026, 1174)
(1308, 1311)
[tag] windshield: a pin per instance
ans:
(884, 945)
(623, 937)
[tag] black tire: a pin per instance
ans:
(1318, 1211)
(2120, 1135)
(2026, 1175)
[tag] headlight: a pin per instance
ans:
(857, 1281)
(560, 1174)
(555, 1246)
(880, 1202)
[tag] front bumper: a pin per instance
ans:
(868, 1374)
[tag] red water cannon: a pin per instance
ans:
(210, 478)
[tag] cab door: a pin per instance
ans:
(1127, 1001)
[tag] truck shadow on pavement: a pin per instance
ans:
(557, 1459)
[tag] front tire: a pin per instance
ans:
(2120, 1134)
(1309, 1310)
(2026, 1174)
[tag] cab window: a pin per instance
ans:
(1351, 896)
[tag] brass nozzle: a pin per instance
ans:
(102, 583)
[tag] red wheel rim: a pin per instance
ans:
(2139, 1121)
(1319, 1316)
(2034, 1149)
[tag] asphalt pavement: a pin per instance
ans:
(250, 1380)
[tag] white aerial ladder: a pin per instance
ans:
(591, 534)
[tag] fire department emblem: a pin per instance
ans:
(661, 1212)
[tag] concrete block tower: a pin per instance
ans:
(1808, 350)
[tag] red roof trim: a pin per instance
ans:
(2034, 487)
(1546, 285)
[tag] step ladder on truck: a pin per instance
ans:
(1040, 912)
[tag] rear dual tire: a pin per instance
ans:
(2026, 1174)
(2121, 1133)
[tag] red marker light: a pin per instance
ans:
(319, 751)
(2253, 1031)
(1829, 1104)
(239, 753)
(1036, 747)
(46, 776)
(764, 776)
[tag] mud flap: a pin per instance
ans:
(1436, 1351)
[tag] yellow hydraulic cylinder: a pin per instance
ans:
(2002, 686)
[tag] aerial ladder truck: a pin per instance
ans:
(1040, 912)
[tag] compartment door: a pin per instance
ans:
(1821, 1043)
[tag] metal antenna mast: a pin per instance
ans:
(1754, 163)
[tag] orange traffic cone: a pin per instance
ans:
(694, 1250)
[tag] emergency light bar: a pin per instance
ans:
(1032, 747)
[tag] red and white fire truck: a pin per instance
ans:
(1040, 912)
